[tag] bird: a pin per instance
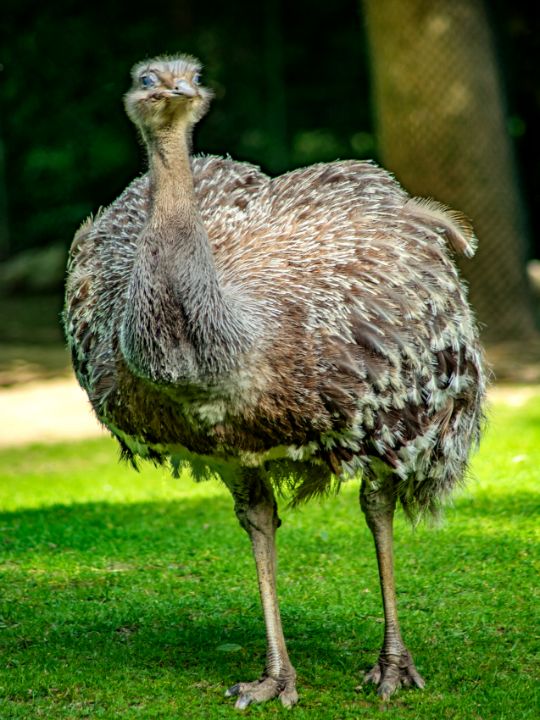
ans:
(282, 335)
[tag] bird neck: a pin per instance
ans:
(171, 180)
(180, 325)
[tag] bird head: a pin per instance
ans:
(166, 90)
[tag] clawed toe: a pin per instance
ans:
(262, 690)
(393, 671)
(374, 675)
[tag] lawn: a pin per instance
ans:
(128, 595)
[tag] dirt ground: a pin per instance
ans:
(45, 411)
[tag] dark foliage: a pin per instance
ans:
(291, 84)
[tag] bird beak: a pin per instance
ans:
(182, 87)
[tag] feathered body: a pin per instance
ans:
(361, 342)
(303, 330)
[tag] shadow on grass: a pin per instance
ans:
(160, 595)
(169, 586)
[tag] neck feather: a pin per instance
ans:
(180, 325)
(171, 178)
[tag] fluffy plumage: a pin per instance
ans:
(299, 331)
(365, 345)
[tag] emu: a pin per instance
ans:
(297, 332)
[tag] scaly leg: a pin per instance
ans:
(395, 666)
(256, 510)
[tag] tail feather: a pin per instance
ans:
(456, 227)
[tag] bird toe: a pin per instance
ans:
(392, 672)
(288, 697)
(262, 690)
(374, 675)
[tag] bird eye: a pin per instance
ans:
(148, 81)
(196, 79)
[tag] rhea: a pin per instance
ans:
(297, 332)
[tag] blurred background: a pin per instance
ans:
(444, 93)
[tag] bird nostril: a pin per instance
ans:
(182, 87)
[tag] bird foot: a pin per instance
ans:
(393, 671)
(265, 689)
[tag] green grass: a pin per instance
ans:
(128, 595)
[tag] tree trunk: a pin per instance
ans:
(441, 128)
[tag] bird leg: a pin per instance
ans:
(395, 666)
(256, 510)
